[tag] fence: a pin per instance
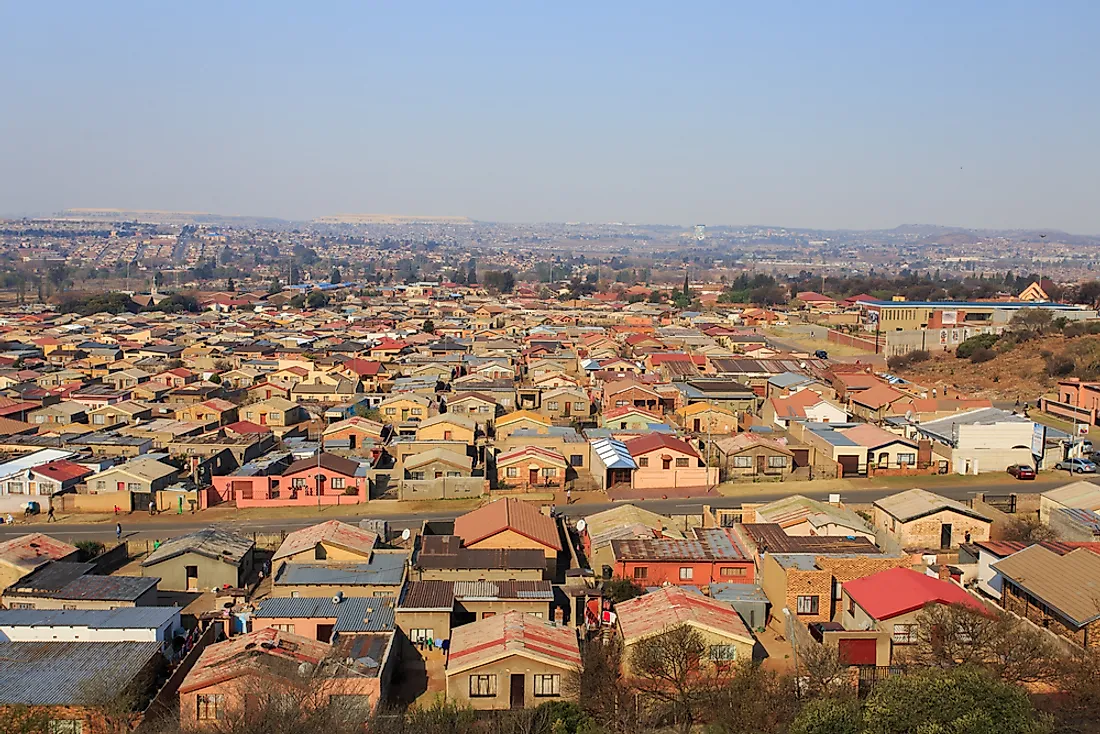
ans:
(111, 560)
(871, 675)
(859, 342)
(165, 703)
(1069, 412)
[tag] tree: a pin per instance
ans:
(960, 701)
(1033, 319)
(1029, 529)
(952, 635)
(317, 299)
(754, 701)
(619, 590)
(158, 279)
(20, 719)
(828, 716)
(979, 341)
(821, 671)
(599, 687)
(674, 676)
(231, 285)
(428, 327)
(499, 281)
(334, 276)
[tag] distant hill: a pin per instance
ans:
(389, 219)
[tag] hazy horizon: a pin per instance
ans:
(849, 116)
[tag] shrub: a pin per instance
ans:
(89, 549)
(982, 354)
(980, 341)
(1059, 365)
(901, 361)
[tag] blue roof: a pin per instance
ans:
(120, 618)
(353, 614)
(386, 569)
(613, 453)
(834, 437)
(730, 592)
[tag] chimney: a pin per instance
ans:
(944, 572)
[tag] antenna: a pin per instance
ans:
(406, 534)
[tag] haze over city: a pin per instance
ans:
(841, 115)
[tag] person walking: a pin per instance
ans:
(49, 515)
(118, 531)
(569, 495)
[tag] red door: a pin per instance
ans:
(857, 652)
(121, 486)
(534, 478)
(263, 419)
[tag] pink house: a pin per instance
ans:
(326, 479)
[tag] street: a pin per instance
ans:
(165, 526)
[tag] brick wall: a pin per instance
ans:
(1017, 602)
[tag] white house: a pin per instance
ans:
(125, 624)
(982, 440)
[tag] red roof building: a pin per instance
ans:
(890, 594)
(509, 523)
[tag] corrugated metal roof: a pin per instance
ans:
(60, 580)
(383, 569)
(352, 614)
(445, 552)
(1069, 584)
(613, 453)
(914, 503)
(209, 542)
(121, 618)
(60, 673)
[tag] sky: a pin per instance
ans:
(801, 114)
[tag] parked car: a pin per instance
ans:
(1021, 471)
(821, 354)
(1077, 466)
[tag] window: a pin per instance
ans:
(416, 411)
(732, 571)
(777, 462)
(21, 605)
(422, 633)
(552, 405)
(66, 726)
(211, 707)
(337, 483)
(721, 653)
(905, 634)
(15, 487)
(643, 461)
(618, 404)
(807, 604)
(549, 471)
(681, 463)
(641, 572)
(416, 475)
(133, 486)
(99, 420)
(576, 460)
(548, 685)
(101, 484)
(742, 462)
(283, 628)
(298, 482)
(666, 463)
(907, 459)
(483, 686)
(391, 411)
(248, 415)
(579, 407)
(687, 573)
(511, 472)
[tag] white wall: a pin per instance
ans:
(66, 633)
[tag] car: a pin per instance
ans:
(1022, 471)
(1077, 466)
(821, 354)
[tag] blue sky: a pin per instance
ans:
(837, 114)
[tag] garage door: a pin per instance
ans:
(857, 652)
(849, 466)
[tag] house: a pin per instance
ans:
(666, 461)
(59, 414)
(325, 619)
(885, 450)
(339, 391)
(124, 624)
(23, 554)
(804, 405)
(511, 660)
(531, 467)
(436, 463)
(205, 559)
(754, 455)
(1055, 591)
(430, 609)
(983, 440)
(214, 411)
(800, 515)
(876, 402)
(565, 403)
(381, 575)
(816, 302)
(478, 406)
(706, 556)
(1081, 495)
(442, 557)
(630, 418)
(723, 631)
(707, 418)
(63, 674)
(612, 463)
(139, 475)
(274, 411)
(530, 420)
(217, 689)
(618, 523)
(326, 541)
(509, 523)
(56, 477)
(729, 394)
(352, 434)
(126, 412)
(447, 427)
(72, 585)
(919, 519)
(890, 603)
(404, 407)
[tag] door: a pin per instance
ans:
(324, 632)
(945, 536)
(192, 574)
(857, 652)
(404, 414)
(697, 425)
(849, 466)
(263, 419)
(122, 486)
(760, 458)
(534, 478)
(516, 693)
(568, 408)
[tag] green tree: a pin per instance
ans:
(619, 590)
(334, 276)
(959, 701)
(317, 299)
(428, 326)
(674, 676)
(828, 716)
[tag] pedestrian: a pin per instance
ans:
(9, 519)
(967, 536)
(49, 515)
(118, 531)
(569, 496)
(267, 567)
(156, 544)
(116, 509)
(933, 393)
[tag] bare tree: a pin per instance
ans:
(954, 635)
(676, 680)
(821, 671)
(754, 701)
(1029, 529)
(599, 687)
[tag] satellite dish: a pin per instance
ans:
(406, 534)
(581, 525)
(908, 415)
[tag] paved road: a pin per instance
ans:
(167, 526)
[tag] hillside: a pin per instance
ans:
(1021, 372)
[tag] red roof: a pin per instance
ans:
(492, 638)
(246, 427)
(887, 594)
(655, 441)
(507, 514)
(363, 367)
(63, 470)
(653, 613)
